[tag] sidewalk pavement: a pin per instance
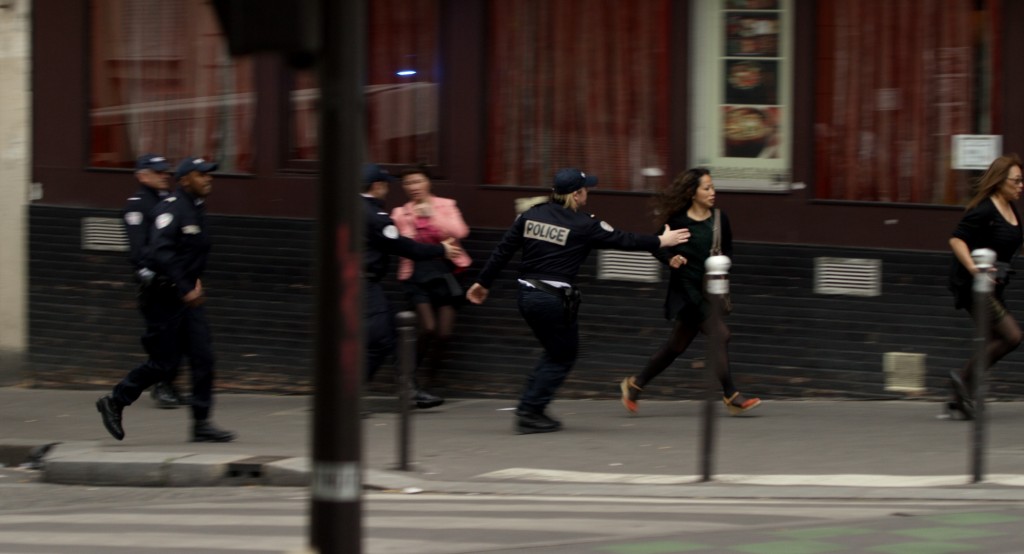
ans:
(798, 449)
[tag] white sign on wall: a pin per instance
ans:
(976, 151)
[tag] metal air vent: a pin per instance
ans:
(618, 265)
(850, 276)
(904, 371)
(103, 233)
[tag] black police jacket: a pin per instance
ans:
(556, 241)
(383, 240)
(179, 241)
(138, 220)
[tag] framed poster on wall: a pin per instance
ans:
(741, 110)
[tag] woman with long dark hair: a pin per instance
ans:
(689, 203)
(990, 221)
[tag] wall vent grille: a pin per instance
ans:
(619, 265)
(103, 233)
(849, 276)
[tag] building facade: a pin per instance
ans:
(828, 125)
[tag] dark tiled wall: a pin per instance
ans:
(786, 341)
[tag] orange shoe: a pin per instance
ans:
(737, 404)
(630, 393)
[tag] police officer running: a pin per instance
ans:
(153, 174)
(556, 237)
(383, 240)
(173, 305)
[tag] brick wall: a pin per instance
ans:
(787, 341)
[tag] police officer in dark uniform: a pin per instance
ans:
(383, 240)
(173, 305)
(153, 173)
(556, 237)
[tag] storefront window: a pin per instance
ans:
(896, 81)
(162, 81)
(571, 85)
(401, 91)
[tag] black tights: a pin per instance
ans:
(436, 327)
(682, 335)
(1004, 337)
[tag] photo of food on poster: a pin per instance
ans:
(752, 34)
(751, 82)
(751, 132)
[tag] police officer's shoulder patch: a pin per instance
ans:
(133, 218)
(607, 227)
(390, 232)
(163, 220)
(170, 199)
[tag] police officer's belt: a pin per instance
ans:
(550, 289)
(570, 297)
(157, 281)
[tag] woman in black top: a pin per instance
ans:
(689, 203)
(991, 221)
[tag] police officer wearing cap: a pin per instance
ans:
(382, 241)
(173, 304)
(153, 173)
(556, 237)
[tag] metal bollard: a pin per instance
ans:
(406, 367)
(717, 270)
(983, 286)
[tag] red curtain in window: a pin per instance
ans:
(896, 79)
(578, 83)
(162, 81)
(401, 109)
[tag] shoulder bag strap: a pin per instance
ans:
(716, 236)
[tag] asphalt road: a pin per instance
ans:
(38, 517)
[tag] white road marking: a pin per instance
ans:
(832, 480)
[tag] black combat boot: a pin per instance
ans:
(203, 430)
(420, 398)
(110, 410)
(423, 399)
(165, 396)
(530, 422)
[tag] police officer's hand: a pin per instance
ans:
(194, 297)
(677, 261)
(451, 250)
(671, 238)
(477, 293)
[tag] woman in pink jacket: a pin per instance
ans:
(431, 286)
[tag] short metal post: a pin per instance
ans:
(406, 367)
(717, 271)
(983, 286)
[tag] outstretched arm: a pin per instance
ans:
(477, 293)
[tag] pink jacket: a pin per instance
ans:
(448, 220)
